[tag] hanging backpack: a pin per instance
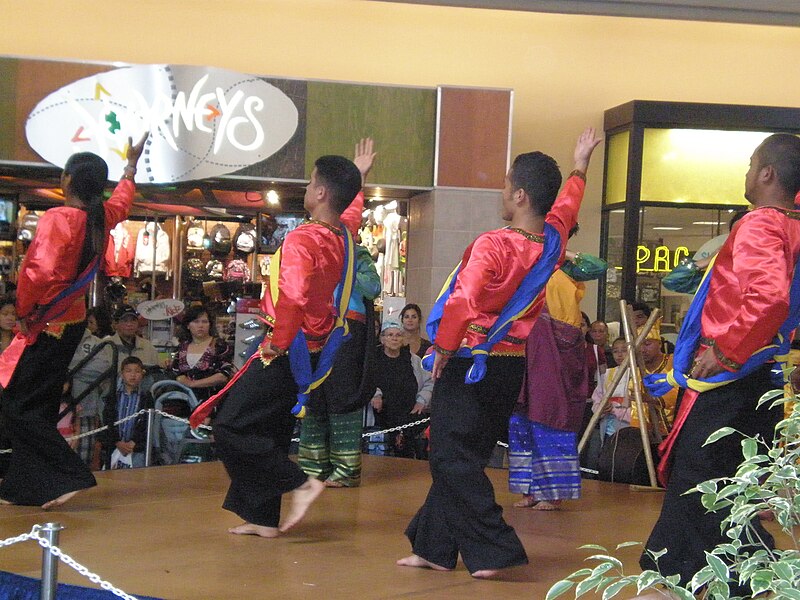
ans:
(220, 240)
(195, 270)
(236, 270)
(194, 236)
(214, 269)
(244, 240)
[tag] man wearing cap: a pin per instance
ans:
(503, 272)
(127, 340)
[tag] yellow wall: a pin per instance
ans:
(565, 70)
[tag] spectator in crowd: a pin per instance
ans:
(127, 338)
(641, 312)
(125, 443)
(411, 319)
(403, 391)
(8, 320)
(89, 409)
(98, 321)
(203, 359)
(598, 335)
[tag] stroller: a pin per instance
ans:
(177, 442)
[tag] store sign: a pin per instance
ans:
(158, 310)
(203, 122)
(660, 259)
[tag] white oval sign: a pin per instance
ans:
(203, 121)
(158, 310)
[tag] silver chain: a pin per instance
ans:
(66, 559)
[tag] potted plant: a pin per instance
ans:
(768, 480)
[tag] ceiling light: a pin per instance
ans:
(667, 228)
(272, 198)
(706, 222)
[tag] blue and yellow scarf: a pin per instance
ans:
(518, 305)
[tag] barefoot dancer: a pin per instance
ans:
(57, 270)
(254, 424)
(460, 514)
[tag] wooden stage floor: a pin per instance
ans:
(161, 532)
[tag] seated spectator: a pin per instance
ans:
(128, 341)
(125, 444)
(98, 321)
(203, 360)
(617, 411)
(403, 391)
(411, 318)
(89, 409)
(641, 312)
(8, 320)
(598, 335)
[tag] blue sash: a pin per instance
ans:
(518, 305)
(689, 339)
(308, 379)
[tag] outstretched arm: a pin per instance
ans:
(364, 157)
(586, 144)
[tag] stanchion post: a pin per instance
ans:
(50, 562)
(148, 451)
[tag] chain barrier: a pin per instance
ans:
(66, 559)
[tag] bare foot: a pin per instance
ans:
(58, 501)
(547, 506)
(420, 563)
(251, 529)
(302, 498)
(5, 503)
(526, 502)
(332, 483)
(485, 573)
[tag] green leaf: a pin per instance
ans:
(592, 547)
(683, 593)
(783, 570)
(609, 560)
(615, 588)
(559, 588)
(789, 594)
(585, 586)
(749, 448)
(628, 545)
(702, 577)
(581, 573)
(720, 568)
(719, 434)
(648, 579)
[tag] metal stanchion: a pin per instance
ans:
(148, 452)
(50, 562)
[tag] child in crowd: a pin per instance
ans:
(125, 443)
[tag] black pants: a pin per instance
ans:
(42, 466)
(460, 514)
(252, 430)
(684, 528)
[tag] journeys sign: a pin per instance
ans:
(203, 121)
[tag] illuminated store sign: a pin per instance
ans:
(659, 259)
(203, 122)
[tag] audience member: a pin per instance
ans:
(127, 338)
(98, 321)
(641, 312)
(203, 359)
(411, 319)
(125, 443)
(403, 391)
(89, 409)
(8, 320)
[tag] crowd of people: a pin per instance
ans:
(510, 356)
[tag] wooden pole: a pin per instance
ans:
(637, 390)
(618, 374)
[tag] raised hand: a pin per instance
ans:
(364, 157)
(586, 144)
(134, 152)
